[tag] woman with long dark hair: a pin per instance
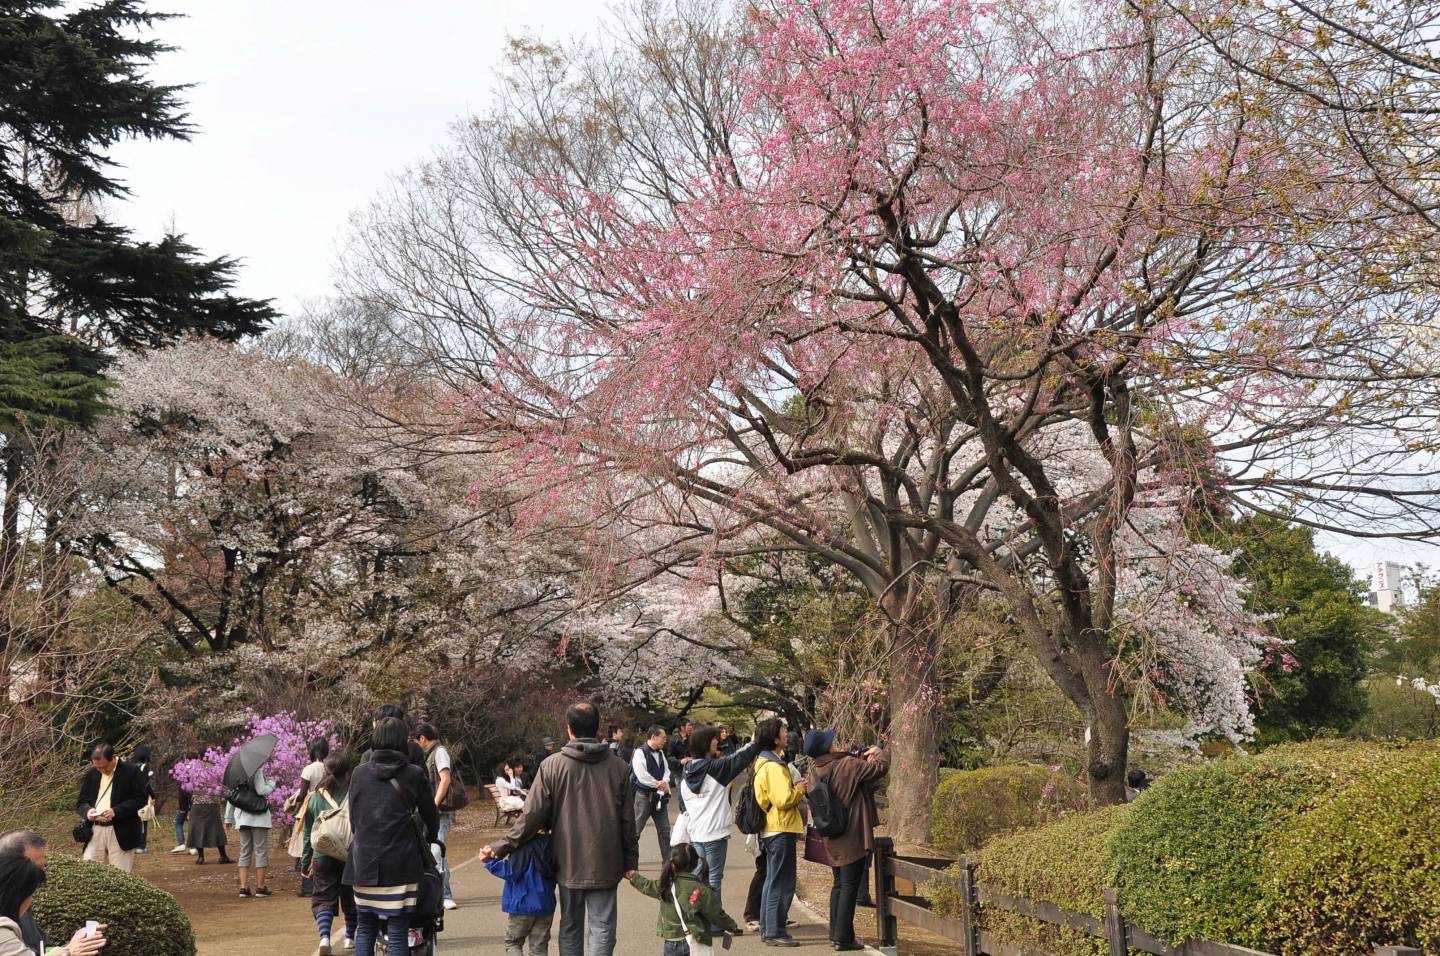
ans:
(689, 907)
(20, 878)
(385, 865)
(328, 891)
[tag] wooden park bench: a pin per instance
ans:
(494, 792)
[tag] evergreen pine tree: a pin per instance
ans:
(74, 287)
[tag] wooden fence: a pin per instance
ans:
(1121, 937)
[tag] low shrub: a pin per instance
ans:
(1062, 862)
(1363, 867)
(1187, 861)
(972, 806)
(144, 921)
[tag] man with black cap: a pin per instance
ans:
(851, 777)
(548, 747)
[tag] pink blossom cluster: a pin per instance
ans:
(202, 776)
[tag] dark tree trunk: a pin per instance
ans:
(1107, 754)
(914, 729)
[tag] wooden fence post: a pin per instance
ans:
(886, 923)
(969, 916)
(1116, 935)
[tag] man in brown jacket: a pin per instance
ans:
(851, 777)
(582, 795)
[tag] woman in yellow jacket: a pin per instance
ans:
(779, 793)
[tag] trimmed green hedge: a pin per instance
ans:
(1188, 861)
(1062, 863)
(1320, 849)
(972, 806)
(1361, 868)
(144, 921)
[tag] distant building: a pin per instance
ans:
(1387, 595)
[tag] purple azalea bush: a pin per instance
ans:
(201, 776)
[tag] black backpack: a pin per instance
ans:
(748, 815)
(828, 813)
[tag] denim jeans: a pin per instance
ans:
(779, 884)
(843, 892)
(447, 820)
(713, 853)
(397, 929)
(179, 829)
(599, 907)
(677, 947)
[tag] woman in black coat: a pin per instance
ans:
(385, 862)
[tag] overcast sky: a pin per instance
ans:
(304, 107)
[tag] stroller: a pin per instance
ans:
(425, 928)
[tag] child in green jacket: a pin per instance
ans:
(688, 906)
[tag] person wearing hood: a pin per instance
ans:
(582, 796)
(711, 817)
(385, 864)
(852, 778)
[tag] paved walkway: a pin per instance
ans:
(478, 926)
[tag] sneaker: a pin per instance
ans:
(193, 851)
(181, 849)
(416, 939)
(263, 891)
(753, 925)
(349, 943)
(782, 941)
(324, 946)
(451, 905)
(245, 892)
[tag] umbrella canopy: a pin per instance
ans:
(251, 756)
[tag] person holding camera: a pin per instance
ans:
(650, 783)
(841, 784)
(111, 797)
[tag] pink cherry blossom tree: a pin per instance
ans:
(968, 300)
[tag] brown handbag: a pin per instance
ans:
(815, 849)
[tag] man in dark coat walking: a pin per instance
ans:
(582, 794)
(111, 797)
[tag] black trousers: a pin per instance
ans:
(843, 893)
(757, 890)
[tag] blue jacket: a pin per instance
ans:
(529, 877)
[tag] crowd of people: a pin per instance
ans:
(370, 834)
(586, 807)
